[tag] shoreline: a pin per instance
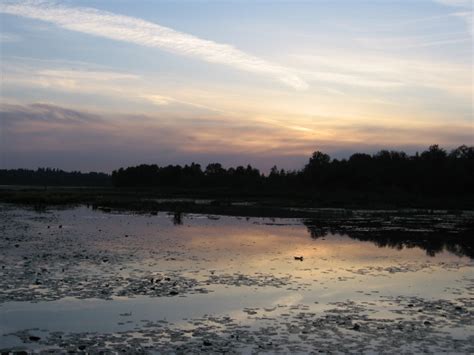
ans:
(230, 202)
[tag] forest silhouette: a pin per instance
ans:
(434, 171)
(52, 177)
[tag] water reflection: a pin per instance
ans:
(173, 282)
(459, 243)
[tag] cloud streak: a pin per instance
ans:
(134, 30)
(49, 135)
(9, 38)
(467, 16)
(462, 3)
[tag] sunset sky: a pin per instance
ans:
(95, 85)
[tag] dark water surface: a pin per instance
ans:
(84, 280)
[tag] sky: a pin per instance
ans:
(97, 85)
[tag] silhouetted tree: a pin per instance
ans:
(52, 177)
(430, 174)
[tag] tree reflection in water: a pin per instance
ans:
(458, 242)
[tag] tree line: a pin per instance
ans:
(432, 171)
(52, 177)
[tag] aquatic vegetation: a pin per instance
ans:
(123, 282)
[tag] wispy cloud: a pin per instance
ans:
(381, 70)
(74, 78)
(462, 3)
(9, 37)
(138, 31)
(78, 136)
(467, 16)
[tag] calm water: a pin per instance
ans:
(79, 279)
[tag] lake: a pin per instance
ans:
(78, 279)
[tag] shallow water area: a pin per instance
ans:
(83, 280)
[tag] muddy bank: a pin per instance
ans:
(346, 327)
